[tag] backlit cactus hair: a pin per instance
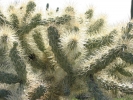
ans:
(66, 56)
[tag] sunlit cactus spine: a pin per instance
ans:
(50, 56)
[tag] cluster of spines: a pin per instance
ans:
(32, 21)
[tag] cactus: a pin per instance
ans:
(52, 56)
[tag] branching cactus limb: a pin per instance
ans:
(94, 89)
(49, 63)
(53, 36)
(9, 78)
(127, 57)
(101, 41)
(19, 64)
(4, 93)
(38, 92)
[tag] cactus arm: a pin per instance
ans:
(62, 20)
(14, 21)
(39, 41)
(127, 57)
(118, 86)
(89, 14)
(123, 72)
(25, 29)
(53, 36)
(4, 93)
(96, 26)
(38, 92)
(36, 20)
(105, 60)
(121, 69)
(35, 62)
(19, 64)
(4, 61)
(8, 78)
(94, 89)
(30, 7)
(57, 20)
(3, 20)
(105, 40)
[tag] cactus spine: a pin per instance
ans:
(47, 57)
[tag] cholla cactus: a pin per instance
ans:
(53, 56)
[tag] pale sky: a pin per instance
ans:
(115, 10)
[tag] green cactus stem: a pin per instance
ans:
(19, 64)
(9, 78)
(95, 90)
(4, 93)
(39, 41)
(53, 36)
(38, 92)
